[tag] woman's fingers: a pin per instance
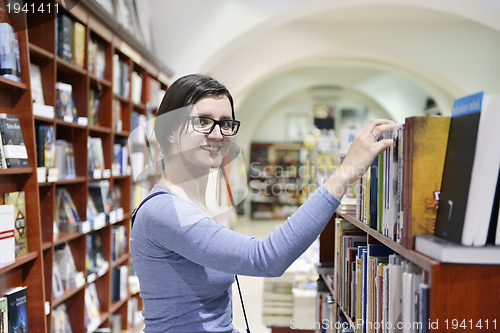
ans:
(382, 128)
(378, 124)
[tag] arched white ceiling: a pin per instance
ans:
(442, 48)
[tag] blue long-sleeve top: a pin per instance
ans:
(186, 262)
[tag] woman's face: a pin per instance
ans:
(204, 150)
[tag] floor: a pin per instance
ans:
(251, 287)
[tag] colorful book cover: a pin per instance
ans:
(17, 299)
(78, 43)
(426, 141)
(14, 149)
(65, 36)
(20, 230)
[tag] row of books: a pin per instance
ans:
(103, 207)
(13, 228)
(378, 289)
(10, 66)
(439, 177)
(14, 310)
(96, 57)
(70, 39)
(121, 80)
(64, 273)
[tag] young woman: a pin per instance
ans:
(185, 261)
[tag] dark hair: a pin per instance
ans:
(185, 92)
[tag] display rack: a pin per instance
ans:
(37, 44)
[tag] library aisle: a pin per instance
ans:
(251, 287)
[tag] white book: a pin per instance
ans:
(395, 287)
(445, 251)
(7, 238)
(36, 84)
(406, 298)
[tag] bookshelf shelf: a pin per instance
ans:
(121, 98)
(66, 67)
(63, 237)
(99, 81)
(116, 305)
(421, 260)
(14, 171)
(43, 119)
(99, 129)
(37, 52)
(120, 260)
(62, 123)
(19, 262)
(9, 84)
(46, 246)
(67, 294)
(76, 180)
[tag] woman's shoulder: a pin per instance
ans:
(167, 205)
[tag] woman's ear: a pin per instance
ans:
(171, 138)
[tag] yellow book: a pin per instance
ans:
(78, 43)
(20, 230)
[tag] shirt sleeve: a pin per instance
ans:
(173, 223)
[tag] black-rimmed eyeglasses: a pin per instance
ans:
(205, 125)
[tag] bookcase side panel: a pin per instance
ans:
(469, 293)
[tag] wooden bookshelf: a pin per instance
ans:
(37, 44)
(461, 292)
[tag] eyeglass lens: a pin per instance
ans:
(206, 125)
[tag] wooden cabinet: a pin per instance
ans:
(37, 44)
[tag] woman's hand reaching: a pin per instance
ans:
(364, 148)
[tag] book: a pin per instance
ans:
(78, 44)
(17, 308)
(459, 163)
(100, 192)
(36, 84)
(14, 149)
(7, 237)
(8, 60)
(93, 109)
(96, 157)
(92, 307)
(45, 146)
(65, 159)
(65, 108)
(57, 282)
(451, 252)
(425, 142)
(484, 175)
(4, 316)
(64, 37)
(60, 319)
(17, 199)
(3, 162)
